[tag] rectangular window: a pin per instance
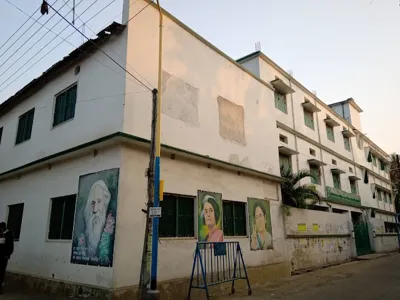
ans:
(353, 186)
(234, 218)
(25, 124)
(336, 181)
(283, 138)
(379, 195)
(280, 101)
(389, 198)
(309, 119)
(62, 217)
(177, 219)
(374, 160)
(330, 133)
(315, 171)
(346, 141)
(65, 106)
(382, 165)
(14, 220)
(285, 161)
(1, 133)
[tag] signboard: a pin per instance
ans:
(155, 212)
(342, 197)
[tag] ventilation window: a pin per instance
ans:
(312, 152)
(283, 138)
(334, 162)
(350, 169)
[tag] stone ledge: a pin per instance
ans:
(169, 290)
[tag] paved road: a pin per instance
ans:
(367, 280)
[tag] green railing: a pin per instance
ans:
(341, 197)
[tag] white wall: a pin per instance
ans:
(197, 76)
(315, 246)
(384, 242)
(183, 177)
(99, 110)
(34, 254)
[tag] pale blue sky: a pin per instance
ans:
(340, 48)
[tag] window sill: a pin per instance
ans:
(60, 124)
(23, 142)
(58, 241)
(178, 238)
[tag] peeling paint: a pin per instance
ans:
(231, 121)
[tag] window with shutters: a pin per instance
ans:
(346, 141)
(316, 174)
(177, 216)
(25, 123)
(234, 216)
(64, 109)
(285, 161)
(336, 181)
(379, 194)
(280, 101)
(389, 198)
(330, 133)
(308, 118)
(1, 133)
(14, 220)
(62, 217)
(374, 160)
(353, 186)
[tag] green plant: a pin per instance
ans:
(295, 194)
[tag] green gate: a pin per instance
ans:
(362, 239)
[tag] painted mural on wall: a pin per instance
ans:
(259, 224)
(210, 217)
(95, 219)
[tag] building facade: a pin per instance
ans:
(74, 155)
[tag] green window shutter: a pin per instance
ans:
(167, 223)
(379, 195)
(374, 160)
(336, 181)
(280, 101)
(390, 198)
(353, 187)
(228, 218)
(185, 217)
(285, 161)
(369, 159)
(346, 143)
(330, 133)
(308, 119)
(65, 106)
(240, 218)
(315, 171)
(1, 134)
(25, 124)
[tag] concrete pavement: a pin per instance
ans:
(368, 280)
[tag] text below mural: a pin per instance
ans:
(95, 219)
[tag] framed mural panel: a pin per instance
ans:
(209, 217)
(259, 224)
(95, 219)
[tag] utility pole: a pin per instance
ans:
(154, 248)
(144, 269)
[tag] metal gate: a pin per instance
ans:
(362, 239)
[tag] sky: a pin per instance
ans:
(339, 48)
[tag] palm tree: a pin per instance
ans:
(293, 193)
(395, 179)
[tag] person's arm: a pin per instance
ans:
(9, 243)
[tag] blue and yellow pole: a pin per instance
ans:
(154, 246)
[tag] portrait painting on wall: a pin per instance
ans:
(95, 219)
(259, 224)
(209, 217)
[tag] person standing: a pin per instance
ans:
(6, 249)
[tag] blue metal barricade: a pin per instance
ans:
(216, 263)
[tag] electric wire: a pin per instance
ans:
(94, 44)
(65, 40)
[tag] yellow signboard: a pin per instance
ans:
(301, 227)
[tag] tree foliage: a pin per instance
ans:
(395, 179)
(294, 193)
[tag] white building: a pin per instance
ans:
(221, 133)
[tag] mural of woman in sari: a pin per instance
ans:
(261, 237)
(211, 219)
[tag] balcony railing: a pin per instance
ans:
(341, 197)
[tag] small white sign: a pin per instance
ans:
(155, 212)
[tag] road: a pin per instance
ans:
(367, 280)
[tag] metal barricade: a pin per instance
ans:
(216, 263)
